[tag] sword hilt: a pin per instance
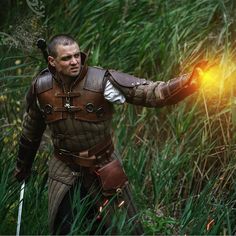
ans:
(42, 45)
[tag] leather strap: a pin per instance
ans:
(87, 158)
(68, 94)
(67, 109)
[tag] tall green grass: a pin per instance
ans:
(181, 159)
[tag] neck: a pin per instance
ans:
(66, 80)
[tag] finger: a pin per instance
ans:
(199, 72)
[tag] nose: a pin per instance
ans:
(73, 61)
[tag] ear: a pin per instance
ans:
(51, 61)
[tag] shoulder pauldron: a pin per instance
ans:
(94, 79)
(126, 80)
(43, 82)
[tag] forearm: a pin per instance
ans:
(32, 131)
(176, 90)
(158, 94)
(26, 153)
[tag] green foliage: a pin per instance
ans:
(180, 160)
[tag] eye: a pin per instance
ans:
(66, 58)
(77, 55)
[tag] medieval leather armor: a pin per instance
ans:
(80, 123)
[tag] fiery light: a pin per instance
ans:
(210, 77)
(218, 77)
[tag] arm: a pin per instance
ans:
(32, 131)
(153, 94)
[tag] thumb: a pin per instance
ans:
(197, 76)
(199, 72)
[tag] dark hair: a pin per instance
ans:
(60, 39)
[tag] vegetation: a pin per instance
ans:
(180, 159)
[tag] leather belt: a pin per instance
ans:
(88, 158)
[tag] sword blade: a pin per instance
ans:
(22, 190)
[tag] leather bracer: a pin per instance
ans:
(26, 154)
(176, 89)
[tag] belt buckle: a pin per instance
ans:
(84, 154)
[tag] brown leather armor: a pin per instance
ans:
(152, 94)
(80, 119)
(85, 101)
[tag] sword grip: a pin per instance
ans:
(42, 45)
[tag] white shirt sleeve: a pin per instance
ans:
(112, 94)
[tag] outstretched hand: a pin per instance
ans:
(198, 72)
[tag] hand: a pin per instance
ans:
(21, 174)
(198, 72)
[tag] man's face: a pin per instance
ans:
(68, 60)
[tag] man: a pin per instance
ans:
(76, 103)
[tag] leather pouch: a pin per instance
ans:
(112, 177)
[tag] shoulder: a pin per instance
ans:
(96, 72)
(125, 80)
(95, 79)
(43, 81)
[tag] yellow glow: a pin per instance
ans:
(211, 76)
(218, 78)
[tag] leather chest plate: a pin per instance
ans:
(81, 102)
